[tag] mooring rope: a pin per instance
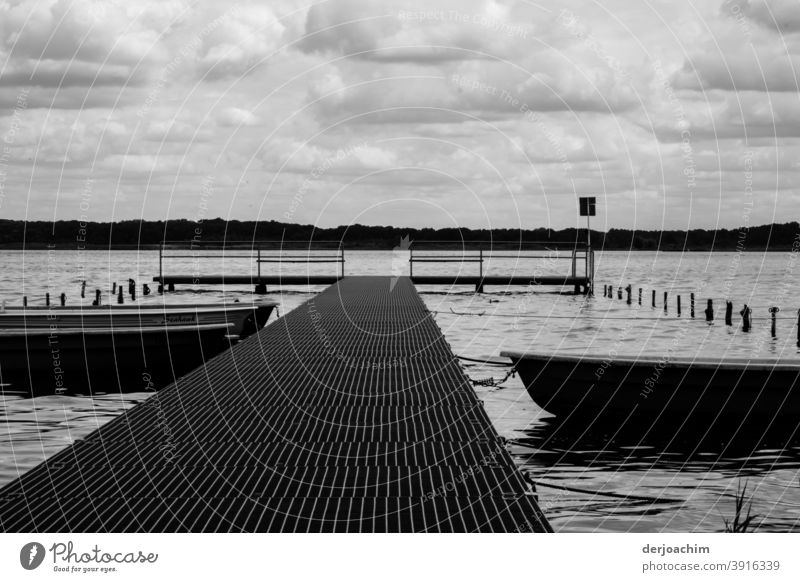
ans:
(486, 362)
(454, 312)
(608, 493)
(494, 382)
(603, 318)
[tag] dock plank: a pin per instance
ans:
(349, 414)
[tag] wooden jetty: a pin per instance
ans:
(349, 414)
(579, 256)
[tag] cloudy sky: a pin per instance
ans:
(673, 113)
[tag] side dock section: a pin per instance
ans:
(349, 414)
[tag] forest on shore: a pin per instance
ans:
(73, 234)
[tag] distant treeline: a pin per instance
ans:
(72, 234)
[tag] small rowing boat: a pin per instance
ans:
(724, 391)
(47, 350)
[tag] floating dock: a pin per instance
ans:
(349, 414)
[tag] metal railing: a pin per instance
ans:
(477, 252)
(280, 252)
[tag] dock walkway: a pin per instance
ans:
(349, 414)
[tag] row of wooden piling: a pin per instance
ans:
(117, 290)
(746, 313)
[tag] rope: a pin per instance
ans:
(717, 317)
(453, 311)
(608, 493)
(485, 362)
(493, 382)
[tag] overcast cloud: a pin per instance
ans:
(675, 114)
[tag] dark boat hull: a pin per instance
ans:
(722, 393)
(104, 362)
(125, 353)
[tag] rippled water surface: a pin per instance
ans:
(588, 480)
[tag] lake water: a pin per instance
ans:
(611, 478)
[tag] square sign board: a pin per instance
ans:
(587, 206)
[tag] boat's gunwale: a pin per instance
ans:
(33, 331)
(134, 308)
(717, 363)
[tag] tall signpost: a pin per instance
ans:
(588, 207)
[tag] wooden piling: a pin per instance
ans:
(745, 313)
(665, 301)
(63, 299)
(640, 295)
(24, 300)
(83, 289)
(96, 301)
(773, 311)
(654, 297)
(619, 292)
(728, 313)
(160, 289)
(710, 310)
(691, 305)
(120, 298)
(47, 299)
(628, 291)
(679, 305)
(145, 289)
(114, 288)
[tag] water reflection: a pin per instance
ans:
(649, 480)
(747, 452)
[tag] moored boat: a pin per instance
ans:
(717, 391)
(116, 347)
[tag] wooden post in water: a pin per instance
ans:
(96, 301)
(710, 310)
(63, 299)
(691, 305)
(145, 289)
(679, 305)
(728, 313)
(83, 289)
(640, 295)
(628, 291)
(47, 299)
(24, 300)
(798, 328)
(619, 292)
(773, 311)
(114, 288)
(745, 313)
(120, 298)
(654, 297)
(665, 301)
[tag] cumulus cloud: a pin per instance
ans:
(234, 117)
(780, 15)
(478, 109)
